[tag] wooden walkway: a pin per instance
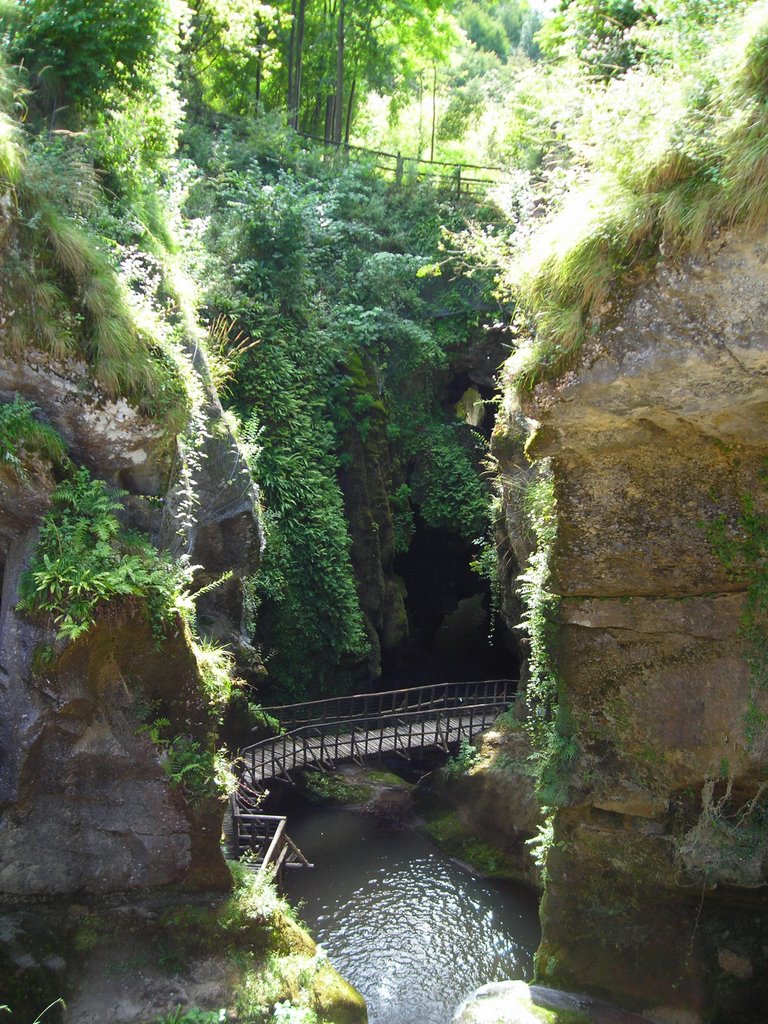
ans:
(459, 178)
(261, 838)
(323, 734)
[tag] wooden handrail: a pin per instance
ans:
(398, 156)
(318, 710)
(321, 729)
(326, 744)
(275, 845)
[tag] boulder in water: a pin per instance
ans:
(514, 1002)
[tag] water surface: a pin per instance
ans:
(411, 929)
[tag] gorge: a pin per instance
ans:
(302, 397)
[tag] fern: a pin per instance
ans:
(85, 559)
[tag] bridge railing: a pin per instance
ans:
(457, 177)
(325, 744)
(391, 702)
(263, 836)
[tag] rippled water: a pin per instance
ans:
(412, 930)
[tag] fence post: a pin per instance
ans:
(399, 170)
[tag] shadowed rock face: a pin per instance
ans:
(86, 805)
(657, 891)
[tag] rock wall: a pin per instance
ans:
(657, 881)
(85, 803)
(493, 814)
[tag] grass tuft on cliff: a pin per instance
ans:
(60, 291)
(689, 155)
(22, 435)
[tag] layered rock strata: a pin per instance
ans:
(657, 881)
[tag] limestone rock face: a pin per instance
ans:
(130, 961)
(658, 884)
(514, 1002)
(86, 805)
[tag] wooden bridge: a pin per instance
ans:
(324, 733)
(459, 178)
(260, 837)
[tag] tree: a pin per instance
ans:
(80, 50)
(233, 52)
(598, 32)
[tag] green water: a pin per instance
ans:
(412, 930)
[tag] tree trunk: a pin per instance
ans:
(329, 118)
(338, 109)
(434, 112)
(298, 63)
(290, 98)
(350, 106)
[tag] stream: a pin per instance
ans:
(411, 929)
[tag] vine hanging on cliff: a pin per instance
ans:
(555, 746)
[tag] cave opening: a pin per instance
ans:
(454, 634)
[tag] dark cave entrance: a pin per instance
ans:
(453, 636)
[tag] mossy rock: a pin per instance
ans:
(385, 778)
(446, 829)
(332, 788)
(335, 999)
(514, 1002)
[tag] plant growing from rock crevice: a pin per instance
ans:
(742, 547)
(85, 558)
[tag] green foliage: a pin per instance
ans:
(305, 581)
(232, 53)
(556, 749)
(540, 603)
(85, 559)
(322, 787)
(681, 153)
(216, 666)
(403, 523)
(464, 761)
(446, 479)
(323, 274)
(194, 769)
(286, 1013)
(500, 27)
(193, 1015)
(508, 721)
(597, 32)
(64, 288)
(742, 547)
(21, 435)
(86, 48)
(198, 770)
(542, 842)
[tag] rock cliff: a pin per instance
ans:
(657, 879)
(86, 805)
